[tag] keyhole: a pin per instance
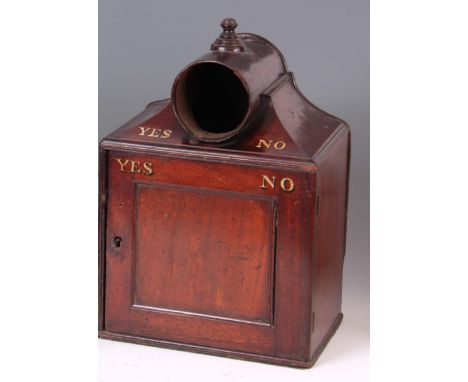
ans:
(117, 241)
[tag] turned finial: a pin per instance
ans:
(228, 41)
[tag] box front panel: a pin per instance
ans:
(209, 254)
(188, 256)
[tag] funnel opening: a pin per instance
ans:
(210, 100)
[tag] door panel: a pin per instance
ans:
(217, 263)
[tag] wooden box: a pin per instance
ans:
(223, 213)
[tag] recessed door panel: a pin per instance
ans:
(204, 252)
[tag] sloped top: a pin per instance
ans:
(289, 128)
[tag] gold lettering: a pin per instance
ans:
(135, 168)
(280, 145)
(144, 130)
(264, 143)
(155, 133)
(121, 163)
(287, 184)
(166, 134)
(267, 180)
(148, 166)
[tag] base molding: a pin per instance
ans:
(227, 353)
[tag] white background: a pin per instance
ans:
(143, 46)
(48, 205)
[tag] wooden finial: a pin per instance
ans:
(228, 41)
(228, 24)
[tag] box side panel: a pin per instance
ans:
(102, 205)
(330, 236)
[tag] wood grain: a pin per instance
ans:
(197, 250)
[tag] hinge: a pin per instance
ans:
(317, 204)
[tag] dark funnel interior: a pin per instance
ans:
(212, 98)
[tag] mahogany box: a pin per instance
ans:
(222, 219)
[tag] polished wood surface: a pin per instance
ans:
(191, 262)
(232, 247)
